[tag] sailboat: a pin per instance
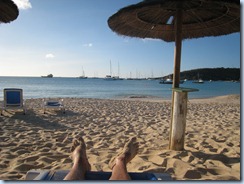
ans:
(109, 77)
(199, 81)
(83, 75)
(129, 78)
(117, 77)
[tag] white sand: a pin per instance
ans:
(42, 141)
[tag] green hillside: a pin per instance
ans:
(214, 74)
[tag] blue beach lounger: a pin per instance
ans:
(13, 99)
(49, 104)
(92, 175)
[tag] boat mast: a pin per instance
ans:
(110, 69)
(83, 72)
(118, 69)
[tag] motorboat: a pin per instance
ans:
(169, 81)
(199, 81)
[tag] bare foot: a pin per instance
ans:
(78, 155)
(127, 154)
(80, 162)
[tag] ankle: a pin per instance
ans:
(121, 161)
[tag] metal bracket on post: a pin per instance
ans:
(178, 120)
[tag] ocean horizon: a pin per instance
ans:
(63, 87)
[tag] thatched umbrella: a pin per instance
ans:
(174, 20)
(8, 11)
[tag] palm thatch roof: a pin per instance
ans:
(8, 11)
(156, 19)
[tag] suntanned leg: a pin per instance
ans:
(118, 163)
(80, 161)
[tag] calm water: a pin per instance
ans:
(37, 87)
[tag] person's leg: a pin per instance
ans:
(80, 161)
(118, 163)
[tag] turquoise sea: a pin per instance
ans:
(37, 87)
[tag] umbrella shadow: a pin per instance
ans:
(217, 157)
(210, 157)
(198, 171)
(34, 119)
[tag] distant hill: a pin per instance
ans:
(214, 74)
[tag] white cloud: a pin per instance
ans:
(88, 45)
(23, 4)
(50, 56)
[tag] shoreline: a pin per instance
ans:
(146, 98)
(42, 141)
(235, 98)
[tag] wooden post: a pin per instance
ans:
(177, 61)
(178, 119)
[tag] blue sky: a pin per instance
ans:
(63, 36)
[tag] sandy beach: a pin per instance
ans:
(43, 141)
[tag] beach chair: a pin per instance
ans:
(50, 175)
(13, 99)
(50, 104)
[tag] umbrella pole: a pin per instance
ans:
(178, 111)
(178, 45)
